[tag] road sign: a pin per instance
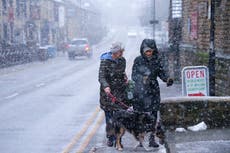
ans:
(195, 81)
(153, 21)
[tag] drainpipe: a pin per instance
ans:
(212, 56)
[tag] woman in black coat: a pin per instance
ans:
(146, 68)
(112, 78)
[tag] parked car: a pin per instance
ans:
(79, 47)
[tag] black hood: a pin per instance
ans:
(149, 43)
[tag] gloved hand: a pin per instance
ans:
(145, 79)
(169, 82)
(130, 109)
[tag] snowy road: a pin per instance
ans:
(52, 106)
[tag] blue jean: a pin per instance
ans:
(109, 124)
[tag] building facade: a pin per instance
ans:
(25, 21)
(194, 42)
(26, 25)
(46, 21)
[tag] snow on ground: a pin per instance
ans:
(219, 146)
(199, 127)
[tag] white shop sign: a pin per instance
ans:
(195, 81)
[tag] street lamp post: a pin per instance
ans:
(154, 18)
(212, 55)
(81, 18)
(154, 21)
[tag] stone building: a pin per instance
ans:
(26, 25)
(73, 20)
(0, 20)
(83, 20)
(194, 42)
(23, 21)
(7, 20)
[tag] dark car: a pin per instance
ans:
(79, 47)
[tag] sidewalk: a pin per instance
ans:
(129, 144)
(128, 140)
(208, 141)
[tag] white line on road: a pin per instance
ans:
(40, 85)
(12, 96)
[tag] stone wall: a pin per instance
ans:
(186, 111)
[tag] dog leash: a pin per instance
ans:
(114, 100)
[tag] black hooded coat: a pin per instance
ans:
(144, 73)
(112, 74)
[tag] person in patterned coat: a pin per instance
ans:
(146, 69)
(113, 80)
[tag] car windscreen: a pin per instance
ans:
(79, 42)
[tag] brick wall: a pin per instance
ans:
(196, 24)
(195, 43)
(223, 76)
(191, 57)
(222, 21)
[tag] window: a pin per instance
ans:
(79, 42)
(5, 32)
(176, 8)
(4, 7)
(21, 8)
(35, 9)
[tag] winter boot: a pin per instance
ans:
(160, 133)
(140, 145)
(110, 141)
(152, 142)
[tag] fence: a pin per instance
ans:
(16, 54)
